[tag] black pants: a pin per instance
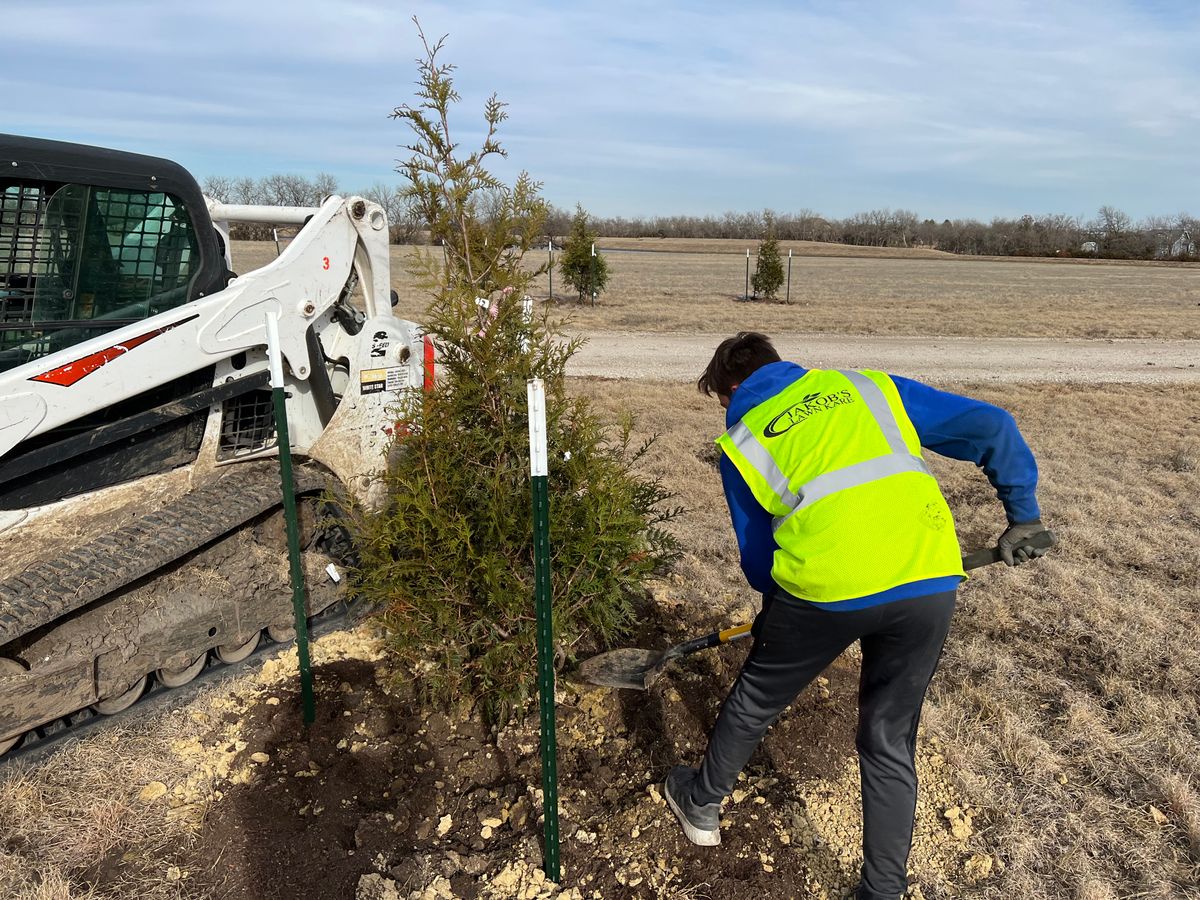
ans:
(794, 642)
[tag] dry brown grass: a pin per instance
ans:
(1071, 692)
(1069, 697)
(739, 248)
(907, 296)
(79, 817)
(902, 292)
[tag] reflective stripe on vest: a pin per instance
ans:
(880, 411)
(829, 483)
(764, 464)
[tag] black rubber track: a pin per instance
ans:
(41, 742)
(48, 590)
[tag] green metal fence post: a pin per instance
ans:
(538, 470)
(290, 519)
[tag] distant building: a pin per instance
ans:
(1175, 244)
(1090, 247)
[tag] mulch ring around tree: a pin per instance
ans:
(381, 800)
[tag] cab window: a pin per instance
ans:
(78, 260)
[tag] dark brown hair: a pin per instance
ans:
(736, 359)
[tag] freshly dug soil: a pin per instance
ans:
(380, 800)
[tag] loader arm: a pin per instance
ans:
(300, 288)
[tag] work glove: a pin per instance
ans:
(1014, 543)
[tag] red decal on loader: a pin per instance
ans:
(74, 371)
(428, 363)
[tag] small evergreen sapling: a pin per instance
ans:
(586, 273)
(448, 559)
(768, 273)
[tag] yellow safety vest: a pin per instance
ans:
(836, 461)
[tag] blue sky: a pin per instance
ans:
(957, 108)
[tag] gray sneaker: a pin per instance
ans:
(701, 824)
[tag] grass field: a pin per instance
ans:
(694, 286)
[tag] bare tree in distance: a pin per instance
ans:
(219, 188)
(1112, 221)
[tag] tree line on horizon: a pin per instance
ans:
(1111, 234)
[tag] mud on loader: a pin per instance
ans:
(140, 532)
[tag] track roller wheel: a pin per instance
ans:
(174, 678)
(110, 706)
(10, 667)
(234, 653)
(281, 634)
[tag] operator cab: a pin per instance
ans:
(94, 239)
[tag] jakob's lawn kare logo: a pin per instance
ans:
(810, 405)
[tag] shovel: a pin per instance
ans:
(638, 669)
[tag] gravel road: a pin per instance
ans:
(681, 357)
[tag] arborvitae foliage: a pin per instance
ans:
(448, 559)
(586, 273)
(768, 274)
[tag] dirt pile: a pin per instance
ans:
(380, 800)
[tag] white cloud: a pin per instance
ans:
(664, 105)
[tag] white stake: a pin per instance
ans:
(527, 315)
(273, 354)
(538, 456)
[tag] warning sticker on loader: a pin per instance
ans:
(373, 381)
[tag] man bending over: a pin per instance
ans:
(845, 532)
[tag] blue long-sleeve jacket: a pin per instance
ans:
(954, 426)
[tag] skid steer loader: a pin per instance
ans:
(140, 532)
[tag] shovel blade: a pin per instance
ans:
(626, 668)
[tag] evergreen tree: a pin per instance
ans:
(448, 560)
(586, 273)
(768, 273)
